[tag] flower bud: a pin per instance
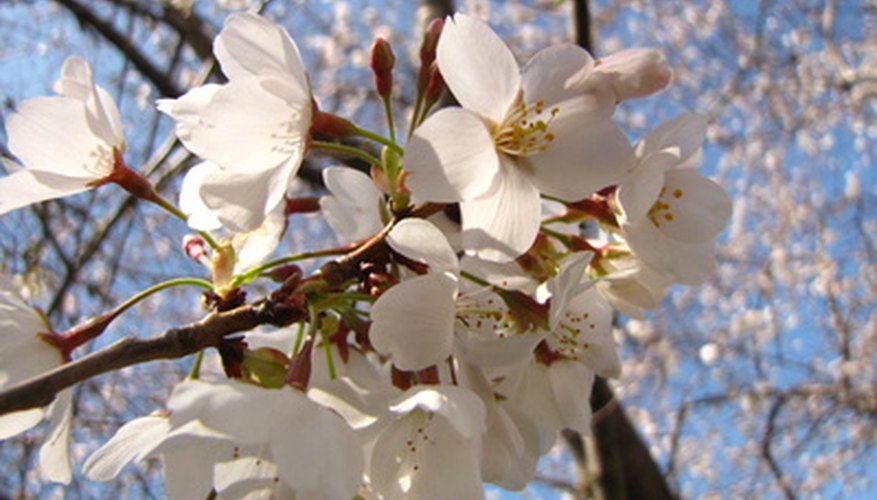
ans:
(331, 125)
(434, 88)
(195, 248)
(382, 62)
(428, 51)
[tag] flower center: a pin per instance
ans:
(662, 211)
(101, 161)
(525, 129)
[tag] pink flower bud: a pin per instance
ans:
(428, 52)
(195, 248)
(382, 62)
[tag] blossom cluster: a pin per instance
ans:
(492, 251)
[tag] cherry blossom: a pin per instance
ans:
(66, 144)
(254, 127)
(671, 213)
(23, 354)
(519, 132)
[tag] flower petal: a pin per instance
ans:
(684, 135)
(451, 157)
(478, 67)
(131, 443)
(315, 450)
(61, 122)
(12, 424)
(550, 76)
(201, 217)
(353, 208)
(590, 153)
(248, 125)
(55, 451)
(243, 201)
(697, 208)
(420, 240)
(503, 224)
(414, 321)
(635, 72)
(251, 45)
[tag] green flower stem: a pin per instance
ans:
(91, 329)
(195, 372)
(390, 143)
(255, 272)
(327, 346)
(388, 110)
(176, 212)
(475, 279)
(347, 150)
(157, 288)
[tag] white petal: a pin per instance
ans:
(314, 449)
(242, 201)
(698, 208)
(637, 195)
(688, 264)
(491, 351)
(571, 384)
(550, 76)
(17, 318)
(502, 224)
(353, 208)
(414, 321)
(589, 153)
(55, 451)
(201, 217)
(12, 424)
(23, 188)
(635, 72)
(420, 240)
(684, 135)
(251, 45)
(478, 67)
(421, 457)
(462, 408)
(250, 124)
(252, 248)
(77, 83)
(131, 443)
(451, 157)
(221, 408)
(587, 325)
(52, 134)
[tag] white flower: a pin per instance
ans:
(67, 143)
(580, 319)
(255, 127)
(432, 449)
(353, 207)
(630, 73)
(414, 320)
(671, 213)
(519, 132)
(23, 354)
(252, 247)
(312, 447)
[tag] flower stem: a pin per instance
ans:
(390, 143)
(347, 150)
(254, 272)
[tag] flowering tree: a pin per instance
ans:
(456, 330)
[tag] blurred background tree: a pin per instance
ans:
(762, 382)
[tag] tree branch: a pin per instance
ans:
(150, 71)
(171, 344)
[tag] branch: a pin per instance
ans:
(171, 344)
(150, 71)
